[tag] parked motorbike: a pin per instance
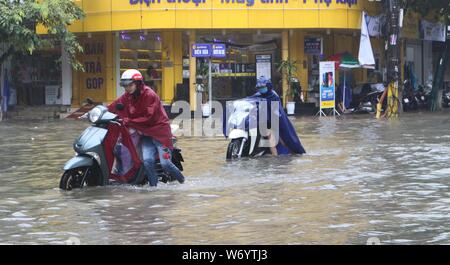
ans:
(409, 98)
(423, 96)
(245, 137)
(446, 99)
(367, 100)
(106, 153)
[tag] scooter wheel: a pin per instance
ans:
(233, 149)
(74, 178)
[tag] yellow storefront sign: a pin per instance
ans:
(410, 28)
(107, 20)
(114, 15)
(93, 80)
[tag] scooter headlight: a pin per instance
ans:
(95, 114)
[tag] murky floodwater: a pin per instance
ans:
(361, 178)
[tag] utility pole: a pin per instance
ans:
(393, 57)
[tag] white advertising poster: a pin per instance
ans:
(51, 95)
(264, 66)
(327, 85)
(432, 31)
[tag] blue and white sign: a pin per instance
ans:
(201, 50)
(264, 65)
(215, 50)
(313, 45)
(219, 50)
(327, 85)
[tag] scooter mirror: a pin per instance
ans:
(90, 101)
(119, 106)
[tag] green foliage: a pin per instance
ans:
(18, 21)
(288, 68)
(424, 7)
(203, 73)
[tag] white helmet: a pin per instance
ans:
(130, 76)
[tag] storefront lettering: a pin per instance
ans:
(93, 48)
(93, 67)
(94, 83)
(147, 2)
(348, 2)
(93, 51)
(248, 3)
(328, 2)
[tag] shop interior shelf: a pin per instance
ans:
(149, 60)
(234, 75)
(141, 50)
(141, 69)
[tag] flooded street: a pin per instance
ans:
(360, 178)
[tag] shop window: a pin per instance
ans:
(234, 77)
(38, 77)
(142, 51)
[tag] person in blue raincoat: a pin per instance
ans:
(288, 143)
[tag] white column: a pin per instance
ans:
(66, 72)
(427, 61)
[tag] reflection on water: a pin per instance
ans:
(361, 178)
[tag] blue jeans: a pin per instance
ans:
(150, 147)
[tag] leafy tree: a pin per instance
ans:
(18, 21)
(441, 7)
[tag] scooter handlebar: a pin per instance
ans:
(84, 116)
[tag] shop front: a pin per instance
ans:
(156, 37)
(234, 75)
(36, 79)
(417, 53)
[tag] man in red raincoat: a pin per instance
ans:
(144, 112)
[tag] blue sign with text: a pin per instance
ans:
(201, 50)
(215, 50)
(219, 50)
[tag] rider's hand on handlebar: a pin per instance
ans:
(125, 121)
(84, 116)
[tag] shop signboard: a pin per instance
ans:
(327, 85)
(410, 29)
(264, 66)
(201, 50)
(216, 50)
(206, 50)
(432, 31)
(94, 60)
(219, 50)
(313, 45)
